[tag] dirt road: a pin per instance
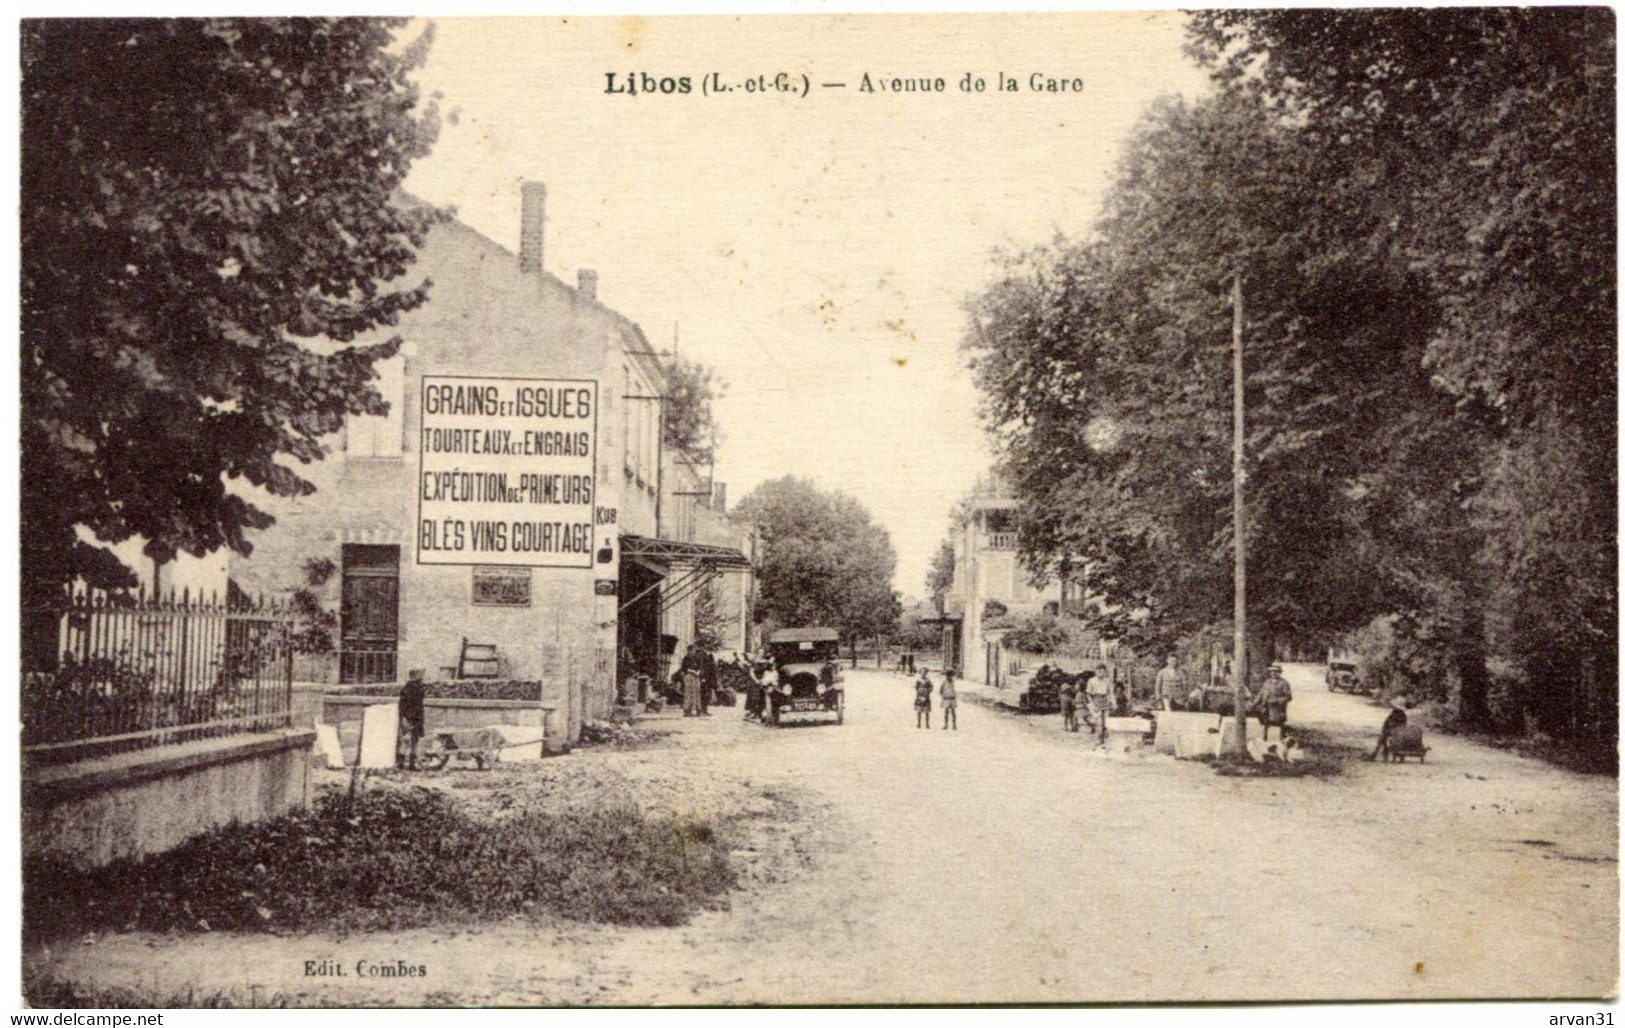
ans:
(1009, 862)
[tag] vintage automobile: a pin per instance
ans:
(808, 664)
(1343, 675)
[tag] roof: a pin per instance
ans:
(673, 551)
(796, 635)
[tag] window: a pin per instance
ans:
(367, 435)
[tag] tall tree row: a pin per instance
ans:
(1419, 207)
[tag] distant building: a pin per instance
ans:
(987, 572)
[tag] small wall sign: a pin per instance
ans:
(501, 587)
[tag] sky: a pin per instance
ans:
(816, 250)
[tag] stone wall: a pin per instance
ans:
(95, 811)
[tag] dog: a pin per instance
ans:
(1268, 751)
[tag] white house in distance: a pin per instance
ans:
(986, 569)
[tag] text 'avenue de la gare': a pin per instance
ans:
(507, 473)
(800, 84)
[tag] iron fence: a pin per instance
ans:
(111, 672)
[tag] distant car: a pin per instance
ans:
(1344, 676)
(808, 663)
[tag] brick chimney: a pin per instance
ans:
(587, 283)
(532, 222)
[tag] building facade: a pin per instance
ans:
(987, 571)
(516, 512)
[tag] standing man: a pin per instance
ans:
(1170, 684)
(1099, 691)
(1272, 700)
(411, 714)
(950, 701)
(690, 675)
(708, 680)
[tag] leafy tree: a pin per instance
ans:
(1105, 369)
(939, 578)
(824, 562)
(709, 619)
(691, 390)
(210, 220)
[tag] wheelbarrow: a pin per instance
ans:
(481, 745)
(1405, 741)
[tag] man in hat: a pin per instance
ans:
(1170, 684)
(411, 714)
(1273, 698)
(1396, 719)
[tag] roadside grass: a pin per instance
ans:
(1587, 761)
(42, 990)
(395, 859)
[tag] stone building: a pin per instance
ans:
(518, 494)
(988, 577)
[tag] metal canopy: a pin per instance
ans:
(674, 552)
(686, 567)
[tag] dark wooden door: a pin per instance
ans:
(369, 613)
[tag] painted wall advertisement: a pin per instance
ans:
(506, 471)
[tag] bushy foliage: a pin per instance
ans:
(1045, 634)
(824, 560)
(394, 859)
(210, 232)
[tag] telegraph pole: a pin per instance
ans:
(1238, 660)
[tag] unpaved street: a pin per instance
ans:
(1008, 862)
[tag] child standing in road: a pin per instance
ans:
(922, 700)
(950, 702)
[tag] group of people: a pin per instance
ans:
(1269, 704)
(922, 700)
(697, 679)
(1089, 698)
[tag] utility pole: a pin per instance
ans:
(1238, 660)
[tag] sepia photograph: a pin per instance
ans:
(1098, 508)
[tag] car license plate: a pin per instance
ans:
(801, 706)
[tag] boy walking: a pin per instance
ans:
(950, 701)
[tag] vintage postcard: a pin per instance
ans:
(1087, 508)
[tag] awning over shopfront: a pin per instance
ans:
(675, 553)
(684, 567)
